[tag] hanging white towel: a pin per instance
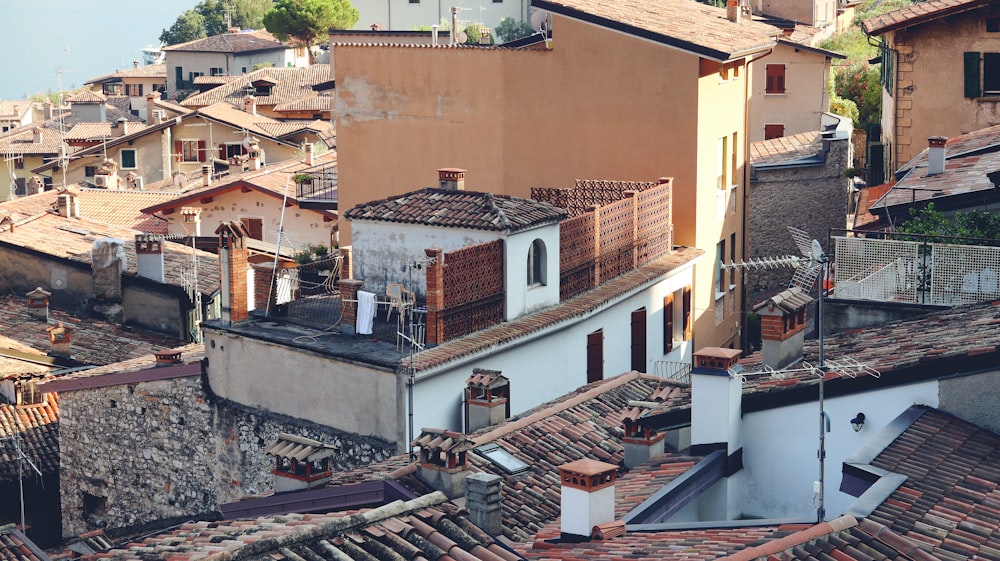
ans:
(366, 312)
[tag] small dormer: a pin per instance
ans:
(487, 399)
(38, 304)
(300, 463)
(443, 462)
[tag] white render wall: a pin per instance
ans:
(521, 298)
(779, 449)
(554, 363)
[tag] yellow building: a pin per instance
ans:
(622, 90)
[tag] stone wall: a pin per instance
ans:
(811, 198)
(140, 456)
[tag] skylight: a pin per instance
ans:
(501, 458)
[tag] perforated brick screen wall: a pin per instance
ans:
(473, 282)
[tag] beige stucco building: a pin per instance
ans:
(662, 95)
(948, 52)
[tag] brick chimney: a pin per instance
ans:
(250, 104)
(935, 155)
(149, 256)
(587, 497)
(443, 462)
(35, 185)
(716, 395)
(452, 179)
(435, 295)
(233, 264)
(782, 327)
(483, 501)
(167, 358)
(300, 463)
(733, 10)
(640, 442)
(38, 304)
(487, 399)
(59, 339)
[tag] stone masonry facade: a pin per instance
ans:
(144, 455)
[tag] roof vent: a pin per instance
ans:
(167, 358)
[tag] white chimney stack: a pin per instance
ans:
(36, 135)
(716, 395)
(206, 175)
(250, 104)
(309, 153)
(149, 257)
(587, 498)
(935, 155)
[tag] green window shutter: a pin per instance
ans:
(971, 74)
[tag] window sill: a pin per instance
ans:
(732, 287)
(719, 295)
(776, 93)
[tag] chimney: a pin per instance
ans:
(935, 155)
(206, 175)
(452, 179)
(107, 259)
(233, 29)
(149, 256)
(733, 10)
(309, 153)
(250, 104)
(588, 497)
(443, 462)
(151, 114)
(167, 358)
(36, 135)
(434, 34)
(782, 327)
(59, 336)
(68, 205)
(35, 185)
(487, 399)
(454, 25)
(640, 442)
(233, 264)
(300, 463)
(47, 113)
(192, 219)
(716, 394)
(122, 126)
(135, 64)
(484, 35)
(483, 501)
(38, 304)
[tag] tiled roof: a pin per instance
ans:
(98, 131)
(87, 96)
(14, 109)
(285, 128)
(117, 208)
(214, 80)
(17, 364)
(459, 209)
(148, 71)
(192, 352)
(427, 527)
(866, 198)
(318, 103)
(691, 26)
(968, 158)
(577, 306)
(15, 546)
(291, 84)
(231, 43)
(21, 141)
(37, 426)
(92, 342)
(948, 502)
(227, 113)
(73, 239)
(785, 149)
(918, 13)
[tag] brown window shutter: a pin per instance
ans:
(222, 151)
(687, 313)
(668, 323)
(178, 151)
(202, 153)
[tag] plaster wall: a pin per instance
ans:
(555, 362)
(779, 449)
(281, 379)
(301, 227)
(156, 309)
(521, 298)
(973, 398)
(513, 119)
(805, 98)
(8, 184)
(383, 252)
(929, 93)
(232, 65)
(24, 271)
(818, 13)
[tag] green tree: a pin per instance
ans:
(308, 21)
(964, 224)
(245, 14)
(189, 26)
(860, 83)
(474, 33)
(510, 29)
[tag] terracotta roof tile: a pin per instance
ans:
(918, 13)
(291, 84)
(231, 43)
(786, 148)
(20, 141)
(37, 426)
(15, 546)
(691, 26)
(87, 96)
(14, 108)
(97, 131)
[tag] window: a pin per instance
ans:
(720, 272)
(30, 394)
(193, 75)
(232, 150)
(536, 263)
(89, 171)
(669, 324)
(993, 24)
(243, 70)
(686, 312)
(775, 78)
(216, 72)
(94, 507)
(773, 131)
(732, 259)
(19, 162)
(732, 154)
(595, 356)
(133, 90)
(501, 458)
(887, 70)
(720, 181)
(128, 159)
(190, 151)
(982, 74)
(255, 227)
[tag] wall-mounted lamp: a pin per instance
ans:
(858, 422)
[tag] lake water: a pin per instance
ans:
(83, 39)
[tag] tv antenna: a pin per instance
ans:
(808, 266)
(21, 458)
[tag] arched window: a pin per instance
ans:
(536, 263)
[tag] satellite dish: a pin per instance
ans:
(817, 253)
(539, 20)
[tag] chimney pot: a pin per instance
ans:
(452, 179)
(167, 358)
(587, 497)
(149, 257)
(250, 104)
(206, 175)
(59, 339)
(309, 153)
(936, 155)
(38, 304)
(782, 324)
(443, 460)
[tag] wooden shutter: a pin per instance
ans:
(222, 152)
(255, 227)
(202, 153)
(140, 90)
(178, 151)
(773, 131)
(668, 323)
(639, 340)
(971, 61)
(595, 356)
(686, 311)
